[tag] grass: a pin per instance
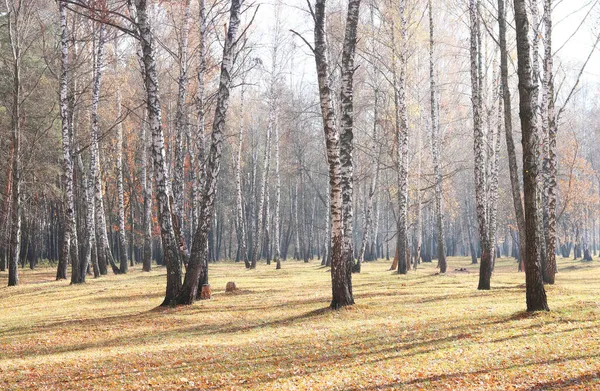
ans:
(420, 331)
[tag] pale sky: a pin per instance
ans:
(567, 16)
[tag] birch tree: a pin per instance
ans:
(485, 267)
(123, 261)
(197, 270)
(242, 243)
(535, 293)
(180, 118)
(435, 150)
(510, 144)
(17, 22)
(341, 259)
(169, 243)
(401, 134)
(550, 160)
(103, 248)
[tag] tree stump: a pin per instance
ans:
(230, 287)
(206, 292)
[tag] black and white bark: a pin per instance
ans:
(146, 182)
(346, 131)
(481, 201)
(102, 244)
(261, 223)
(510, 144)
(15, 26)
(435, 150)
(550, 157)
(197, 270)
(181, 121)
(401, 134)
(70, 227)
(341, 268)
(197, 155)
(242, 243)
(535, 293)
(169, 243)
(122, 238)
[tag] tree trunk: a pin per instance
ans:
(535, 293)
(341, 273)
(242, 243)
(550, 162)
(197, 271)
(103, 247)
(485, 268)
(170, 250)
(435, 152)
(146, 178)
(347, 134)
(123, 261)
(260, 226)
(70, 228)
(401, 134)
(510, 144)
(180, 125)
(14, 33)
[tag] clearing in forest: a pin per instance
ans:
(419, 331)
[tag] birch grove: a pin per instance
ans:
(349, 134)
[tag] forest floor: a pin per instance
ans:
(419, 331)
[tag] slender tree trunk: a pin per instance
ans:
(346, 133)
(341, 273)
(242, 243)
(550, 162)
(180, 125)
(146, 178)
(197, 271)
(123, 261)
(170, 250)
(372, 187)
(535, 293)
(70, 242)
(14, 33)
(260, 226)
(401, 134)
(493, 180)
(435, 152)
(510, 144)
(103, 246)
(485, 269)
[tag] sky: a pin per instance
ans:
(567, 17)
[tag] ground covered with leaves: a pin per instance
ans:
(419, 331)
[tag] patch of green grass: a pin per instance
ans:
(419, 331)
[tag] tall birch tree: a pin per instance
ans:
(534, 286)
(197, 270)
(435, 150)
(170, 248)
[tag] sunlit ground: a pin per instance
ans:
(419, 331)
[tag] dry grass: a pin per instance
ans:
(421, 331)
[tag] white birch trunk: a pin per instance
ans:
(123, 262)
(341, 273)
(197, 271)
(71, 245)
(435, 151)
(550, 161)
(479, 148)
(171, 252)
(238, 185)
(258, 239)
(181, 121)
(104, 252)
